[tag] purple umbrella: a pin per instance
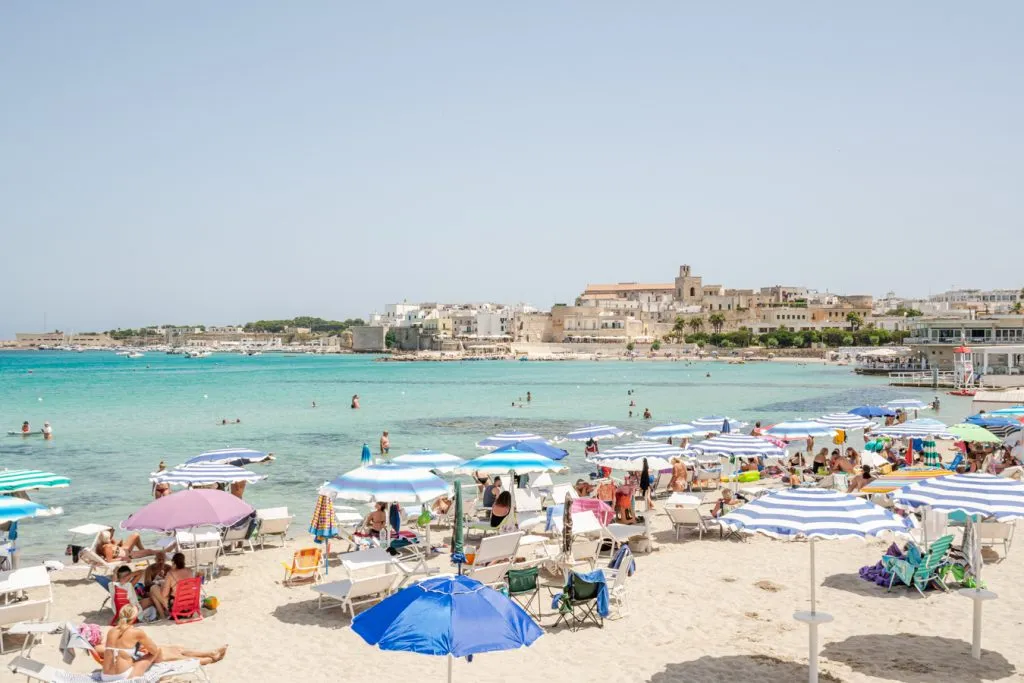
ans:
(188, 509)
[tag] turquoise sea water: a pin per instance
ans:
(115, 418)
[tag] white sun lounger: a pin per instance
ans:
(348, 593)
(689, 517)
(37, 671)
(273, 522)
(492, 575)
(500, 548)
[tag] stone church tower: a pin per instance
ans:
(689, 288)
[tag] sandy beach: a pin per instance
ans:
(700, 611)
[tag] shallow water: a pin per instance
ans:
(115, 418)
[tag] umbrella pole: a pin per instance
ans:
(813, 619)
(450, 658)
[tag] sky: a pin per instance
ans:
(222, 162)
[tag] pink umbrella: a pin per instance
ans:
(187, 509)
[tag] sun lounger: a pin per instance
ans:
(689, 517)
(661, 488)
(559, 491)
(499, 548)
(994, 533)
(349, 593)
(273, 522)
(37, 671)
(492, 575)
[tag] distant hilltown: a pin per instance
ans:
(683, 311)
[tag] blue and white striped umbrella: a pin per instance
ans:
(813, 514)
(506, 438)
(387, 483)
(847, 421)
(12, 509)
(595, 432)
(800, 429)
(630, 456)
(712, 424)
(510, 460)
(906, 404)
(204, 473)
(915, 429)
(737, 445)
(1012, 411)
(665, 431)
(230, 456)
(973, 494)
(430, 460)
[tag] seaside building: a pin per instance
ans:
(993, 301)
(48, 339)
(996, 342)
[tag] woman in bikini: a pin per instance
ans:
(111, 550)
(376, 520)
(128, 652)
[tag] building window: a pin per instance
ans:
(693, 292)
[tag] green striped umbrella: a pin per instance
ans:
(458, 550)
(12, 481)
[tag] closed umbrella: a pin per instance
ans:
(567, 527)
(450, 616)
(972, 551)
(364, 457)
(813, 514)
(322, 525)
(458, 549)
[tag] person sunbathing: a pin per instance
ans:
(441, 506)
(501, 509)
(128, 651)
(583, 488)
(679, 476)
(861, 480)
(376, 520)
(130, 548)
(725, 504)
(163, 597)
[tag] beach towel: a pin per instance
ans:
(624, 554)
(596, 576)
(877, 573)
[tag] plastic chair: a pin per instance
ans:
(188, 600)
(305, 564)
(120, 600)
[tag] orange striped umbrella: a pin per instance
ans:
(900, 478)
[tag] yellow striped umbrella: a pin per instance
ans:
(900, 478)
(322, 524)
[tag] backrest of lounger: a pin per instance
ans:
(499, 547)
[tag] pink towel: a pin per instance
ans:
(601, 509)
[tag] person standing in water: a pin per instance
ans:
(47, 431)
(355, 402)
(529, 397)
(25, 429)
(385, 444)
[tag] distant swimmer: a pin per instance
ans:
(313, 405)
(47, 431)
(647, 413)
(223, 421)
(25, 429)
(529, 397)
(708, 375)
(355, 402)
(238, 420)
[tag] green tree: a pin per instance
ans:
(855, 319)
(655, 345)
(1017, 307)
(905, 312)
(847, 340)
(717, 321)
(771, 343)
(390, 338)
(695, 324)
(630, 346)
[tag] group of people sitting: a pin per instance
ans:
(151, 590)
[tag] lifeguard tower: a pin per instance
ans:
(963, 369)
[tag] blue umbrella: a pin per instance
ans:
(365, 457)
(538, 447)
(452, 616)
(13, 509)
(873, 411)
(998, 421)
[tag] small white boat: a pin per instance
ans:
(198, 354)
(135, 354)
(122, 353)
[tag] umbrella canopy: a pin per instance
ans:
(847, 421)
(799, 429)
(997, 424)
(454, 616)
(713, 424)
(682, 430)
(738, 445)
(900, 478)
(187, 509)
(387, 482)
(12, 481)
(813, 514)
(204, 473)
(1012, 411)
(12, 509)
(973, 494)
(595, 432)
(906, 404)
(914, 429)
(538, 447)
(873, 411)
(510, 460)
(321, 527)
(971, 432)
(430, 460)
(506, 438)
(630, 456)
(231, 456)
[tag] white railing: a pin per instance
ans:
(919, 379)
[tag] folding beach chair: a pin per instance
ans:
(305, 564)
(577, 604)
(917, 570)
(994, 533)
(524, 588)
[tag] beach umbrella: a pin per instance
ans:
(906, 404)
(458, 549)
(846, 421)
(973, 494)
(12, 509)
(737, 446)
(450, 616)
(812, 515)
(12, 481)
(873, 411)
(387, 483)
(364, 456)
(508, 459)
(506, 438)
(997, 424)
(595, 432)
(321, 527)
(203, 474)
(914, 429)
(972, 432)
(630, 456)
(713, 424)
(1012, 411)
(231, 456)
(538, 447)
(429, 460)
(662, 432)
(797, 430)
(188, 509)
(887, 483)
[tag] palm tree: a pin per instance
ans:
(855, 320)
(695, 324)
(717, 320)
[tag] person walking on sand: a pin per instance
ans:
(385, 444)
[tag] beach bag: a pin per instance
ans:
(148, 615)
(424, 518)
(840, 438)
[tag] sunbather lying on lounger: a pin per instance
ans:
(129, 548)
(502, 506)
(128, 651)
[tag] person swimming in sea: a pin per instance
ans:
(355, 402)
(25, 429)
(313, 405)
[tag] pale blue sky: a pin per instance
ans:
(223, 161)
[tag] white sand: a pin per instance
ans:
(697, 615)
